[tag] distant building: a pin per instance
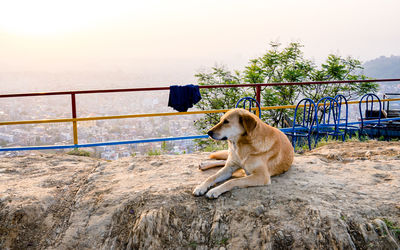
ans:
(124, 154)
(109, 155)
(7, 137)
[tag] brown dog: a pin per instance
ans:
(261, 150)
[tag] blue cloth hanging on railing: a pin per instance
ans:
(181, 98)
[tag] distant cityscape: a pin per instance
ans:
(13, 109)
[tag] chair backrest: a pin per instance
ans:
(251, 101)
(371, 100)
(343, 108)
(329, 112)
(304, 117)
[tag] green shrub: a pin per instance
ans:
(153, 152)
(79, 152)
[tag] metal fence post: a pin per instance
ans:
(258, 98)
(74, 123)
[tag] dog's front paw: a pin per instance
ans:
(203, 166)
(199, 190)
(213, 193)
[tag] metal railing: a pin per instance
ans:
(75, 119)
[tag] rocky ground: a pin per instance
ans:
(339, 196)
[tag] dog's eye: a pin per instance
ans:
(226, 121)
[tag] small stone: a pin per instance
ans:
(180, 235)
(156, 163)
(131, 167)
(259, 210)
(280, 235)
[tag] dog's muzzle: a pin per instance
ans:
(212, 135)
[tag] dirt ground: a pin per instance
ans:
(339, 196)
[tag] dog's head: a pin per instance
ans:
(234, 124)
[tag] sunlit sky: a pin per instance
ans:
(157, 35)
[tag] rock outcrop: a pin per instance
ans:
(340, 196)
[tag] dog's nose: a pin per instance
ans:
(210, 133)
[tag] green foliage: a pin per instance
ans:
(290, 65)
(79, 152)
(219, 98)
(153, 152)
(325, 141)
(3, 143)
(193, 244)
(223, 241)
(280, 65)
(286, 65)
(166, 146)
(392, 227)
(208, 145)
(354, 137)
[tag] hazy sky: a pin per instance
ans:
(187, 35)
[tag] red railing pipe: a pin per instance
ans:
(202, 86)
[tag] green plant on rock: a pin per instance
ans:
(79, 152)
(153, 152)
(392, 227)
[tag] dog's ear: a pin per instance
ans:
(248, 122)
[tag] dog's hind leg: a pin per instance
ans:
(220, 155)
(212, 164)
(248, 181)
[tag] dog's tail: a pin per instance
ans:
(219, 155)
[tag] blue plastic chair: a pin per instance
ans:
(344, 115)
(371, 114)
(327, 123)
(302, 121)
(249, 100)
